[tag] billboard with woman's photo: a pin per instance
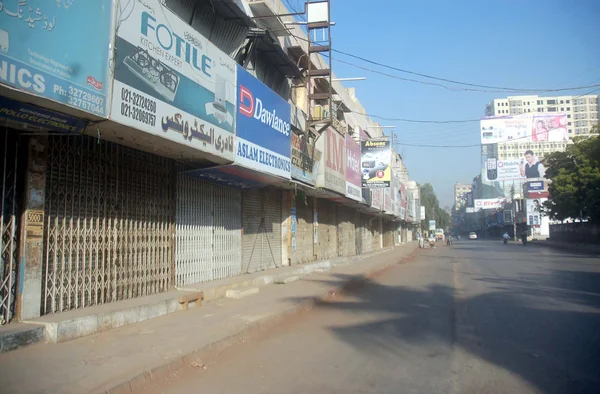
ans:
(525, 128)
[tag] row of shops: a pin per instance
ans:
(203, 177)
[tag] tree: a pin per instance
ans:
(575, 180)
(432, 208)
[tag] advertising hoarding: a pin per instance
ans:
(353, 181)
(305, 160)
(537, 186)
(489, 203)
(44, 51)
(534, 211)
(526, 127)
(375, 163)
(432, 225)
(172, 82)
(527, 167)
(332, 175)
(263, 131)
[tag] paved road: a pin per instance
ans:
(480, 318)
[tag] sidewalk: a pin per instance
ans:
(584, 248)
(125, 358)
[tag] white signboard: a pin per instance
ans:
(489, 203)
(526, 127)
(171, 81)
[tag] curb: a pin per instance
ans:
(141, 380)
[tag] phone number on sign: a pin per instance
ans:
(138, 107)
(87, 101)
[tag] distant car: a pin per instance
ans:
(472, 235)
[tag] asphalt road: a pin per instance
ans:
(481, 317)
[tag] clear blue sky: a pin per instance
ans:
(522, 44)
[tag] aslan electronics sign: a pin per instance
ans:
(263, 135)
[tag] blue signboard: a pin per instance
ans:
(44, 118)
(537, 186)
(263, 134)
(58, 50)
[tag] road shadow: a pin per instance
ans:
(544, 329)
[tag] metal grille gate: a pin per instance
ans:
(9, 218)
(209, 236)
(109, 232)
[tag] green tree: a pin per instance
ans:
(575, 180)
(432, 208)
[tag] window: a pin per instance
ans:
(551, 109)
(577, 124)
(551, 102)
(540, 102)
(540, 109)
(568, 108)
(568, 101)
(562, 101)
(569, 116)
(576, 116)
(569, 124)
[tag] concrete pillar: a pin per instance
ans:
(31, 255)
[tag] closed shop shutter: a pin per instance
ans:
(345, 232)
(388, 235)
(376, 230)
(110, 223)
(327, 245)
(304, 252)
(358, 232)
(208, 235)
(367, 233)
(261, 220)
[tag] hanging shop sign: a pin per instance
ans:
(353, 181)
(40, 117)
(41, 55)
(305, 160)
(172, 82)
(332, 175)
(263, 127)
(375, 163)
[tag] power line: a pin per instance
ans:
(483, 88)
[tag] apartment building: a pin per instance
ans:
(581, 111)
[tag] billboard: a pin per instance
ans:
(535, 186)
(489, 203)
(44, 51)
(375, 163)
(305, 160)
(526, 127)
(533, 211)
(432, 225)
(353, 181)
(172, 82)
(332, 175)
(527, 167)
(263, 131)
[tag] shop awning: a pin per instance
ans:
(235, 176)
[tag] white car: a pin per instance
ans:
(472, 235)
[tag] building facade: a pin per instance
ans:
(460, 195)
(149, 169)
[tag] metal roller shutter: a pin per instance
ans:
(345, 232)
(208, 236)
(388, 235)
(358, 232)
(304, 252)
(261, 220)
(327, 245)
(367, 233)
(376, 230)
(110, 223)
